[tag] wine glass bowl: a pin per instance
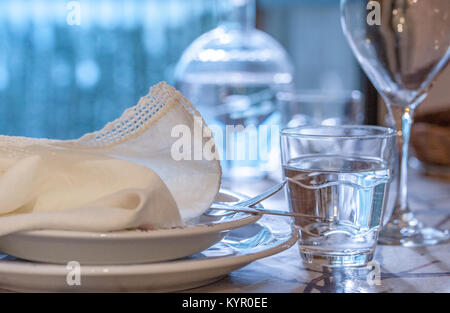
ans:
(402, 45)
(403, 54)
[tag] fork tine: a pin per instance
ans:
(249, 202)
(263, 196)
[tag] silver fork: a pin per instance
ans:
(234, 209)
(221, 206)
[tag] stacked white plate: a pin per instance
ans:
(136, 260)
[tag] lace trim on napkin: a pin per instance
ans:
(133, 122)
(137, 119)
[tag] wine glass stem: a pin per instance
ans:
(403, 136)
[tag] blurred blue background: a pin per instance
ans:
(61, 80)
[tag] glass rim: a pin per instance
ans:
(313, 95)
(384, 132)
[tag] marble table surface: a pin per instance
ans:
(420, 269)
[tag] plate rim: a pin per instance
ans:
(44, 269)
(239, 219)
(143, 234)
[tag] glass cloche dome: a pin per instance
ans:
(231, 74)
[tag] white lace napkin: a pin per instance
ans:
(120, 177)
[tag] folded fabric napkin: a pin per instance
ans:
(123, 176)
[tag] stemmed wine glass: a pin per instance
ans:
(402, 45)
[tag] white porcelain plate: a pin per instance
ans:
(125, 247)
(240, 247)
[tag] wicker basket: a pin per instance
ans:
(430, 139)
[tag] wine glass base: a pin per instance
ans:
(411, 236)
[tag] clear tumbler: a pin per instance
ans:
(337, 180)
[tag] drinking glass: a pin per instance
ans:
(337, 179)
(298, 107)
(402, 45)
(321, 107)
